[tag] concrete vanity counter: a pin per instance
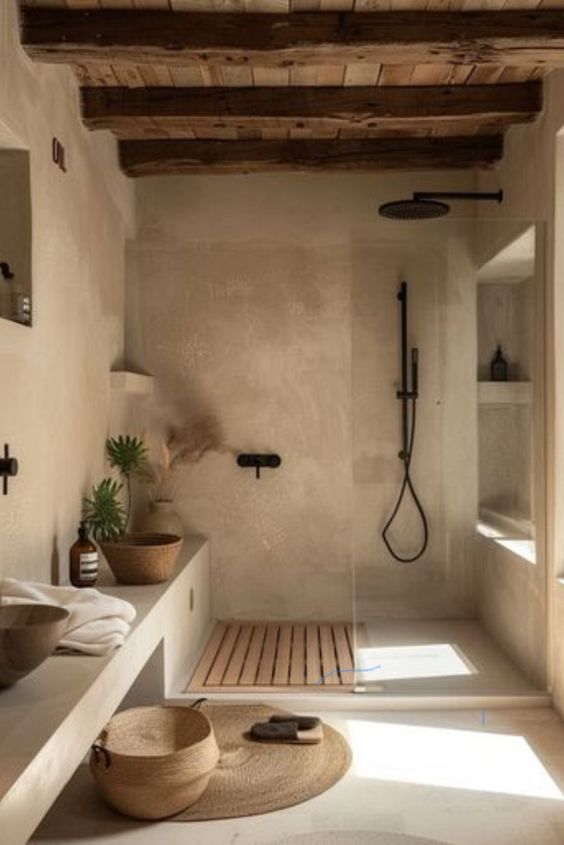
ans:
(50, 718)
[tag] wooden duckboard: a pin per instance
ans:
(276, 657)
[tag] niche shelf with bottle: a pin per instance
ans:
(507, 319)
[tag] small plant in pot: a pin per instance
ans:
(133, 558)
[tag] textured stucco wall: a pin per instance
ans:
(523, 605)
(268, 303)
(54, 386)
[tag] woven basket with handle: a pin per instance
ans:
(153, 762)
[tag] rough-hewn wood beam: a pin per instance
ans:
(314, 108)
(408, 37)
(142, 158)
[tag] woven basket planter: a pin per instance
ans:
(143, 558)
(153, 762)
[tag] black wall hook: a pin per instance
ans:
(8, 468)
(259, 462)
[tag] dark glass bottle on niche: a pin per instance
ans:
(498, 367)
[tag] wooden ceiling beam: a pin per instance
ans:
(144, 158)
(503, 37)
(318, 109)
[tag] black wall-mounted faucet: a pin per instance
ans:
(8, 468)
(258, 462)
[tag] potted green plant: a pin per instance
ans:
(133, 558)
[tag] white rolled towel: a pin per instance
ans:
(97, 623)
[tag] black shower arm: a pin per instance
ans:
(458, 195)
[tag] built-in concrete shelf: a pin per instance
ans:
(513, 264)
(505, 392)
(505, 524)
(128, 383)
(50, 718)
(514, 534)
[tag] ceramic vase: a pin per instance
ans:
(163, 519)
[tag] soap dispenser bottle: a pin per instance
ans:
(498, 367)
(83, 560)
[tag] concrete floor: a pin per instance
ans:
(463, 777)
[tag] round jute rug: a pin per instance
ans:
(355, 837)
(259, 777)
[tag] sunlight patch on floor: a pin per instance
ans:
(446, 757)
(439, 660)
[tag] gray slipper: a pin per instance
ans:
(305, 723)
(286, 732)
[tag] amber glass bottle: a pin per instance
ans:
(83, 560)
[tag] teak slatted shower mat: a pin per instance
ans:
(270, 656)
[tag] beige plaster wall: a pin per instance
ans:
(520, 601)
(54, 387)
(513, 606)
(267, 303)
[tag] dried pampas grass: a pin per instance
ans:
(184, 445)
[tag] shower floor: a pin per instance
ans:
(400, 657)
(273, 656)
(436, 656)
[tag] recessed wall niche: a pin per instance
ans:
(507, 303)
(15, 236)
(506, 291)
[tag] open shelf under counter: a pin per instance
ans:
(50, 718)
(505, 392)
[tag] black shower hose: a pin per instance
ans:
(407, 485)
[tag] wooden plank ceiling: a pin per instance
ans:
(240, 85)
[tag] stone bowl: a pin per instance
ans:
(29, 633)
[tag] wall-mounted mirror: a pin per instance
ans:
(15, 236)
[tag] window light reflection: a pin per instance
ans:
(434, 660)
(445, 757)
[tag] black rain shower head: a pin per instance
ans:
(415, 209)
(427, 206)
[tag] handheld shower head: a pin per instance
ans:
(415, 371)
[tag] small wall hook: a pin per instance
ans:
(259, 462)
(8, 468)
(58, 154)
